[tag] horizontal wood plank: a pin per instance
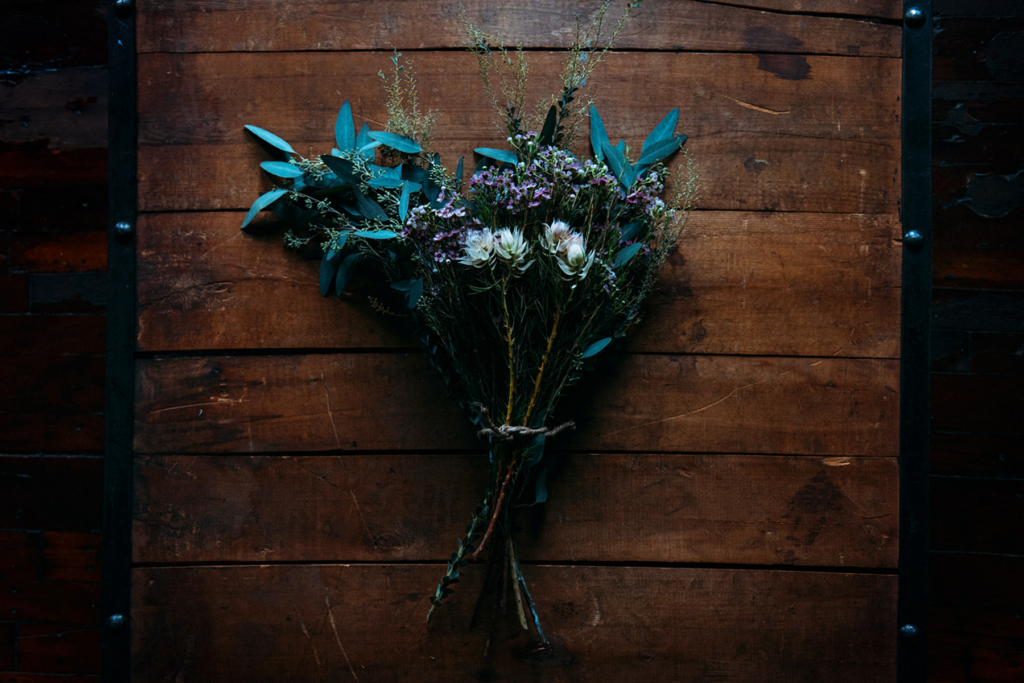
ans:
(376, 401)
(775, 132)
(740, 283)
(321, 25)
(881, 9)
(309, 623)
(603, 508)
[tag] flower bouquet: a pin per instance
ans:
(514, 281)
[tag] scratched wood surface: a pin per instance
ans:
(742, 283)
(771, 132)
(609, 624)
(241, 26)
(750, 423)
(388, 401)
(724, 509)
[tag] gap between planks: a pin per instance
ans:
(711, 566)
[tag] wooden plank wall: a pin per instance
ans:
(727, 510)
(976, 630)
(53, 258)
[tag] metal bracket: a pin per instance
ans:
(120, 383)
(915, 365)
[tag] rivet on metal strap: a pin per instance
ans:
(913, 240)
(123, 230)
(914, 17)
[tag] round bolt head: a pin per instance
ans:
(123, 231)
(116, 620)
(914, 17)
(908, 631)
(913, 240)
(123, 7)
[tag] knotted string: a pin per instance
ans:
(506, 432)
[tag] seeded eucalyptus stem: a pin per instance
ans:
(458, 559)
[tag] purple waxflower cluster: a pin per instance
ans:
(440, 233)
(645, 195)
(552, 177)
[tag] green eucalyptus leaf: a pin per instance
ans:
(414, 173)
(385, 182)
(503, 155)
(458, 174)
(345, 270)
(262, 202)
(343, 168)
(281, 169)
(376, 234)
(397, 142)
(368, 207)
(547, 133)
(623, 257)
(413, 289)
(540, 494)
(339, 243)
(364, 143)
(660, 150)
(628, 175)
(663, 130)
(534, 451)
(621, 146)
(615, 158)
(596, 348)
(270, 139)
(344, 128)
(630, 231)
(432, 190)
(403, 203)
(598, 136)
(328, 269)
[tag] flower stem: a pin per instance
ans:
(521, 581)
(544, 362)
(515, 585)
(511, 356)
(497, 507)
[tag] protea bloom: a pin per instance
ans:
(573, 259)
(479, 248)
(555, 235)
(510, 246)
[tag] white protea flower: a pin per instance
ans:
(574, 260)
(555, 236)
(478, 249)
(510, 246)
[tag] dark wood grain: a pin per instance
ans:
(961, 508)
(740, 283)
(310, 622)
(603, 508)
(881, 9)
(978, 455)
(374, 401)
(241, 26)
(789, 133)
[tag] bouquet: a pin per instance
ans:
(514, 281)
